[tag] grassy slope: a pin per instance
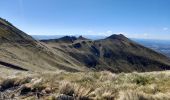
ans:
(92, 85)
(18, 48)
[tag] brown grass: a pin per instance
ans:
(94, 85)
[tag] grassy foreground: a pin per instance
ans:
(103, 85)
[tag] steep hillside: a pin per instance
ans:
(115, 53)
(20, 51)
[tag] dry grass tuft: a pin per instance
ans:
(135, 95)
(102, 85)
(75, 91)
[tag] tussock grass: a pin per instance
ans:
(136, 95)
(102, 85)
(76, 91)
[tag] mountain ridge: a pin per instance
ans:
(115, 53)
(10, 33)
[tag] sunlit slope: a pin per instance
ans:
(18, 48)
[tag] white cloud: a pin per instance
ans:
(165, 28)
(137, 35)
(145, 34)
(108, 32)
(89, 31)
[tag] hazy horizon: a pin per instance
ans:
(146, 19)
(94, 37)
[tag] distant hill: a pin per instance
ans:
(65, 39)
(47, 37)
(115, 53)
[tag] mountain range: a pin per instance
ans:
(115, 53)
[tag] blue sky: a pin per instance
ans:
(133, 18)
